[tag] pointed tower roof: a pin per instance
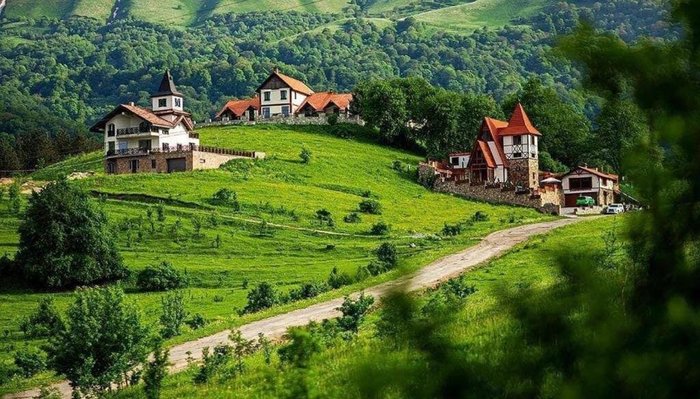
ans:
(167, 86)
(519, 123)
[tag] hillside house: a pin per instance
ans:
(156, 139)
(282, 95)
(584, 181)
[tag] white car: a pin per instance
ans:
(614, 209)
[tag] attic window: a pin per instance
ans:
(162, 103)
(178, 102)
(455, 161)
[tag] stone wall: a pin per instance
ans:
(524, 171)
(208, 160)
(156, 162)
(499, 194)
(322, 119)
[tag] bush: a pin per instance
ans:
(196, 322)
(226, 197)
(301, 347)
(370, 206)
(155, 372)
(64, 241)
(212, 363)
(324, 217)
(376, 267)
(30, 362)
(480, 216)
(352, 217)
(332, 119)
(379, 229)
(451, 229)
(173, 315)
(362, 273)
(307, 290)
(261, 297)
(44, 322)
(337, 279)
(387, 254)
(162, 277)
(354, 312)
(305, 155)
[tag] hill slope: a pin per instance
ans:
(275, 237)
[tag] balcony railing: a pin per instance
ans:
(180, 148)
(128, 131)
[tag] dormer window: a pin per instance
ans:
(162, 103)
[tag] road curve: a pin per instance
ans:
(443, 269)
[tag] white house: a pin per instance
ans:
(589, 182)
(459, 160)
(281, 95)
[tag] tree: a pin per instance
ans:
(13, 195)
(173, 314)
(383, 106)
(104, 339)
(241, 348)
(261, 297)
(354, 312)
(155, 371)
(64, 241)
(619, 127)
(387, 253)
(162, 277)
(300, 349)
(44, 322)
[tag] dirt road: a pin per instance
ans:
(274, 327)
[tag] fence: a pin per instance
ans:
(182, 148)
(286, 120)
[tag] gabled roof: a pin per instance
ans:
(167, 86)
(488, 157)
(239, 107)
(294, 84)
(143, 113)
(519, 123)
(593, 171)
(494, 126)
(320, 101)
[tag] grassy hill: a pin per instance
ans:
(290, 248)
(469, 15)
(480, 326)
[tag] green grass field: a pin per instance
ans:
(469, 17)
(283, 192)
(480, 323)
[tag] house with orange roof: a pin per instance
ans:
(284, 96)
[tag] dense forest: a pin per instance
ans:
(69, 72)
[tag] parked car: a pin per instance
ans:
(614, 209)
(585, 201)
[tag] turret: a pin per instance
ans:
(167, 98)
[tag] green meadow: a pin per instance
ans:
(480, 325)
(274, 237)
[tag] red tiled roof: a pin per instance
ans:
(320, 101)
(294, 84)
(488, 157)
(239, 107)
(143, 113)
(596, 172)
(519, 124)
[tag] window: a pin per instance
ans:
(295, 95)
(517, 140)
(580, 183)
(285, 110)
(283, 95)
(162, 103)
(532, 140)
(153, 163)
(110, 147)
(454, 161)
(266, 112)
(134, 165)
(517, 155)
(144, 127)
(111, 167)
(144, 145)
(111, 130)
(166, 147)
(178, 102)
(266, 96)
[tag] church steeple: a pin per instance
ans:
(167, 98)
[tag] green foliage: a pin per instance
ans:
(211, 363)
(196, 322)
(387, 254)
(480, 216)
(173, 314)
(15, 200)
(370, 206)
(301, 348)
(64, 240)
(104, 338)
(352, 217)
(155, 372)
(44, 322)
(262, 297)
(227, 197)
(354, 312)
(241, 348)
(325, 217)
(379, 229)
(30, 362)
(337, 279)
(307, 291)
(452, 230)
(305, 155)
(161, 277)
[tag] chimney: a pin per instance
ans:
(131, 103)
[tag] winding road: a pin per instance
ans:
(274, 327)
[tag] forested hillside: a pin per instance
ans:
(73, 70)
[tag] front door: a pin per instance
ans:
(251, 114)
(134, 165)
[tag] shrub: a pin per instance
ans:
(354, 312)
(305, 155)
(376, 268)
(324, 217)
(300, 349)
(451, 229)
(458, 288)
(370, 206)
(307, 290)
(366, 194)
(387, 253)
(480, 216)
(196, 322)
(226, 197)
(218, 298)
(155, 372)
(261, 297)
(332, 119)
(211, 363)
(64, 241)
(44, 322)
(337, 279)
(379, 229)
(362, 273)
(352, 217)
(162, 277)
(30, 362)
(173, 315)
